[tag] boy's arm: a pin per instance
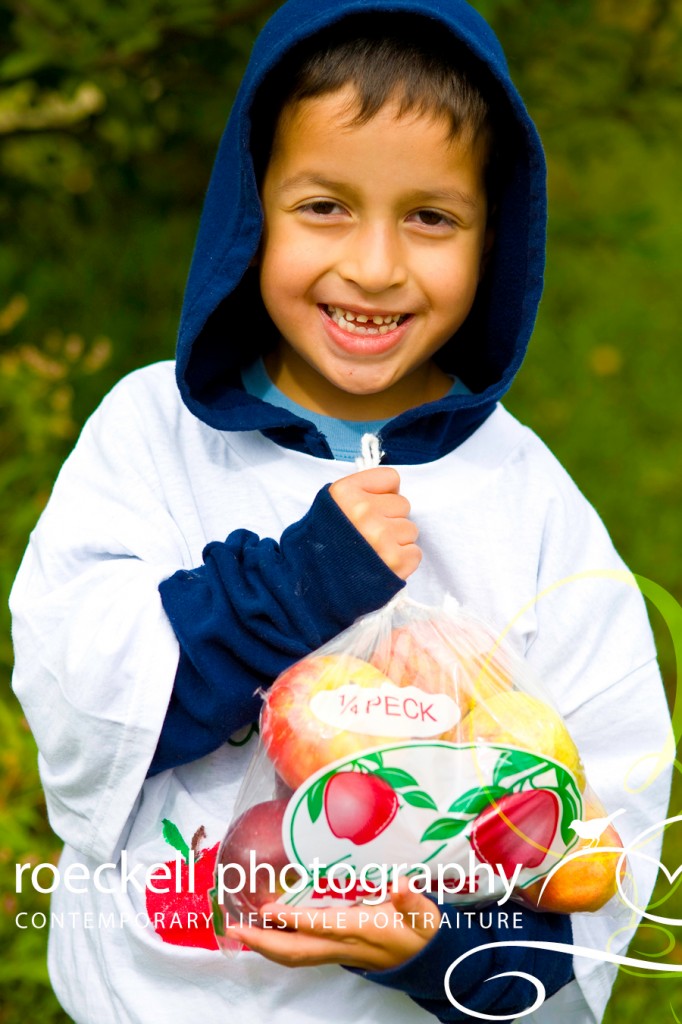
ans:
(95, 653)
(255, 606)
(410, 944)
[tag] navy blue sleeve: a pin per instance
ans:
(252, 609)
(423, 976)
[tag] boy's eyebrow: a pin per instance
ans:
(447, 194)
(421, 196)
(304, 178)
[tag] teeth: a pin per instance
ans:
(354, 323)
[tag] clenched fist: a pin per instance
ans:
(372, 502)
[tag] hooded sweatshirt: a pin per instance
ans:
(485, 354)
(191, 551)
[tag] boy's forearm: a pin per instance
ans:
(253, 608)
(472, 984)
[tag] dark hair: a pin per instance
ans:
(404, 57)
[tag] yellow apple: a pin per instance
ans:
(517, 719)
(584, 883)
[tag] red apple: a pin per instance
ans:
(297, 741)
(359, 806)
(258, 829)
(184, 918)
(467, 664)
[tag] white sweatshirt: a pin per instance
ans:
(146, 488)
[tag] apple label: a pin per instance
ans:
(399, 712)
(473, 820)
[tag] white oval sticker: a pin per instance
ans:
(386, 710)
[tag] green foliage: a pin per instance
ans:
(109, 117)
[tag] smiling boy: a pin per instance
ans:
(369, 263)
(370, 257)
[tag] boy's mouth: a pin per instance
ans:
(365, 323)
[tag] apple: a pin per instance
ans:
(297, 741)
(465, 663)
(517, 829)
(584, 883)
(359, 806)
(259, 829)
(516, 719)
(169, 912)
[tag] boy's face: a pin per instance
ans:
(374, 237)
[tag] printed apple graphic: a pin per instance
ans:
(581, 883)
(259, 829)
(518, 828)
(297, 741)
(170, 912)
(359, 806)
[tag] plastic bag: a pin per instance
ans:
(415, 742)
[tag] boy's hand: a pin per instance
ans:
(369, 938)
(371, 501)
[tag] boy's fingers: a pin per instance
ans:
(410, 557)
(420, 911)
(396, 506)
(383, 538)
(380, 480)
(405, 532)
(392, 506)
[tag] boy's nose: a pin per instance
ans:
(373, 260)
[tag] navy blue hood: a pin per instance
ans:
(487, 350)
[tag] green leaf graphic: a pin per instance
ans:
(516, 762)
(375, 758)
(397, 778)
(171, 833)
(476, 800)
(418, 798)
(571, 804)
(315, 797)
(444, 828)
(217, 913)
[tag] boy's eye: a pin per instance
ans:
(322, 207)
(433, 219)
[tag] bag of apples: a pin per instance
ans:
(415, 743)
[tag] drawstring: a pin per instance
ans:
(371, 456)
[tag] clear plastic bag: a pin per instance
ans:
(414, 743)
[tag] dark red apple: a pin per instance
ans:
(359, 806)
(518, 828)
(258, 829)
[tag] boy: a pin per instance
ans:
(369, 258)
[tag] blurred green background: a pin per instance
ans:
(109, 117)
